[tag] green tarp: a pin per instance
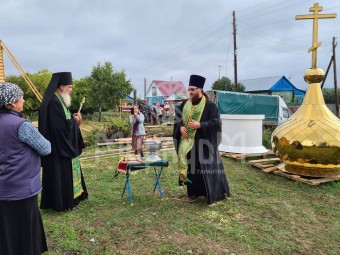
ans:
(243, 103)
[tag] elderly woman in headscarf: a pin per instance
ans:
(21, 144)
(138, 131)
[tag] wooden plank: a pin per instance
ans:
(242, 156)
(164, 138)
(105, 144)
(312, 181)
(122, 139)
(229, 155)
(324, 180)
(234, 155)
(262, 166)
(264, 160)
(107, 151)
(97, 157)
(126, 142)
(103, 153)
(84, 129)
(247, 155)
(270, 169)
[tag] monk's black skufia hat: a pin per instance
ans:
(65, 78)
(197, 81)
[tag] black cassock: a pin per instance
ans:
(57, 175)
(205, 167)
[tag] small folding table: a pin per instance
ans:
(134, 166)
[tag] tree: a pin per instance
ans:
(108, 86)
(81, 89)
(40, 81)
(225, 84)
(329, 95)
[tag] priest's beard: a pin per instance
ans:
(194, 97)
(66, 98)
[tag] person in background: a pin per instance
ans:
(154, 114)
(144, 110)
(160, 114)
(62, 178)
(137, 131)
(21, 145)
(197, 134)
(166, 110)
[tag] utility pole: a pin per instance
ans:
(335, 80)
(144, 89)
(329, 67)
(219, 72)
(135, 96)
(235, 51)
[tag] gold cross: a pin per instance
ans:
(315, 17)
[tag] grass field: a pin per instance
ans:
(266, 214)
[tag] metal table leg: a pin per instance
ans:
(127, 184)
(158, 182)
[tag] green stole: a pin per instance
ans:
(190, 112)
(77, 185)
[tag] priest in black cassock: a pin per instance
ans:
(197, 134)
(62, 179)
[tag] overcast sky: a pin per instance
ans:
(167, 39)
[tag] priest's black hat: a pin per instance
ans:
(65, 78)
(197, 81)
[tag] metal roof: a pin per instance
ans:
(259, 84)
(166, 88)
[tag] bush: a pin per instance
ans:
(266, 138)
(117, 127)
(95, 136)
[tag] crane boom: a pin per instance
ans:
(2, 68)
(18, 67)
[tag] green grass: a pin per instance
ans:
(267, 214)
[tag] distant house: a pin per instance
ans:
(127, 99)
(159, 91)
(275, 86)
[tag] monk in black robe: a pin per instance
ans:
(62, 178)
(197, 134)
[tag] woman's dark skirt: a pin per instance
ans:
(21, 228)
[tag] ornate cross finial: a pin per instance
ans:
(315, 17)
